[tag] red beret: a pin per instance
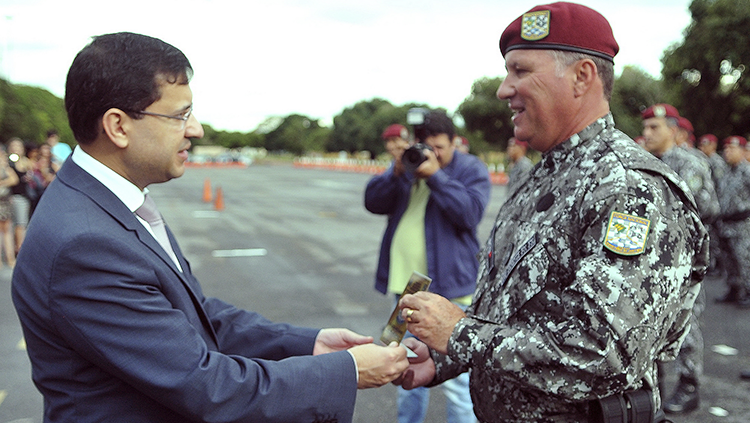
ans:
(561, 26)
(708, 139)
(684, 124)
(735, 140)
(395, 130)
(660, 110)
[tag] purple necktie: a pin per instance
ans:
(150, 214)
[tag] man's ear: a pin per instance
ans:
(116, 124)
(586, 74)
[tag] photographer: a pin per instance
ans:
(434, 198)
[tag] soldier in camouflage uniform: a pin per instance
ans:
(734, 222)
(594, 263)
(708, 144)
(662, 128)
(521, 165)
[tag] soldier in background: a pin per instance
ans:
(662, 129)
(734, 222)
(592, 266)
(520, 164)
(708, 144)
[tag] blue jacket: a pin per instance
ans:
(116, 333)
(459, 194)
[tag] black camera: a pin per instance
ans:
(417, 117)
(414, 156)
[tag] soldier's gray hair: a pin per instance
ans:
(604, 68)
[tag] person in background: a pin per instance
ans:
(664, 130)
(708, 144)
(592, 266)
(520, 164)
(20, 201)
(116, 325)
(734, 222)
(433, 213)
(60, 150)
(462, 144)
(8, 178)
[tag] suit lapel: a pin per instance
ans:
(78, 179)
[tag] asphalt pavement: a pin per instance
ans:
(298, 246)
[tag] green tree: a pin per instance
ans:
(29, 112)
(634, 91)
(485, 115)
(296, 134)
(707, 74)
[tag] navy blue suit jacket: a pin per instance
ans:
(116, 333)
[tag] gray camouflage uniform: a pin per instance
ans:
(719, 168)
(558, 319)
(734, 230)
(693, 166)
(518, 173)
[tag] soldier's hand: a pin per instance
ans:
(379, 365)
(431, 318)
(421, 369)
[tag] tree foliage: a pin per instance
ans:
(707, 74)
(296, 134)
(485, 115)
(358, 128)
(634, 91)
(29, 112)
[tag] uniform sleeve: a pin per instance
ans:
(383, 192)
(588, 322)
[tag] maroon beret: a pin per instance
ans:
(561, 26)
(708, 139)
(660, 110)
(685, 124)
(735, 140)
(395, 130)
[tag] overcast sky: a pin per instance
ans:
(257, 59)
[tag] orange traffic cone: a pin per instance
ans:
(219, 203)
(207, 191)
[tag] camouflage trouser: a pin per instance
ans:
(736, 261)
(689, 362)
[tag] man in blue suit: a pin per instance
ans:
(116, 325)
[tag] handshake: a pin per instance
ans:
(378, 365)
(429, 316)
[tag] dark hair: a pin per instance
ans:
(121, 71)
(51, 132)
(436, 122)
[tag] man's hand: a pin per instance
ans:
(379, 365)
(428, 167)
(332, 340)
(421, 369)
(431, 318)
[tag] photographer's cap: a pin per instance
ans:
(561, 26)
(395, 130)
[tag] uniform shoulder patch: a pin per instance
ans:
(626, 234)
(535, 25)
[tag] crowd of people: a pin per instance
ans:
(26, 169)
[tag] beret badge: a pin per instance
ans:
(535, 25)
